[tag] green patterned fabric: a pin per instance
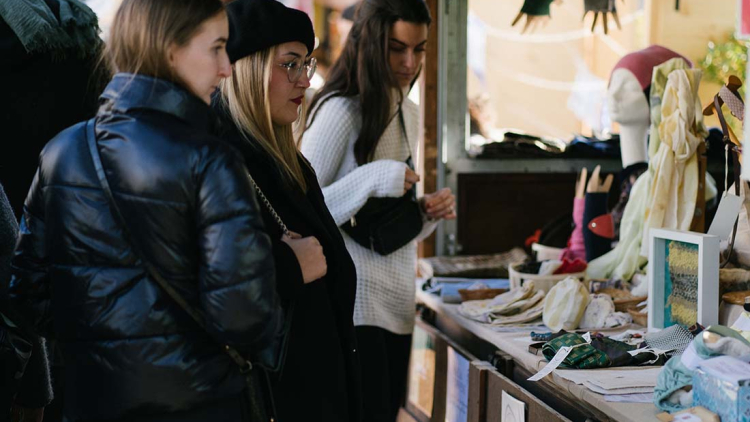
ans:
(583, 356)
(536, 7)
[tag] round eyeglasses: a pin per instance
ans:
(295, 68)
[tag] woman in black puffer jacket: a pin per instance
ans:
(131, 353)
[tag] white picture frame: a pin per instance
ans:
(707, 274)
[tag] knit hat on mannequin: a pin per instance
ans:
(642, 62)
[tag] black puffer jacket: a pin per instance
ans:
(130, 351)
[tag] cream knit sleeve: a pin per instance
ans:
(326, 143)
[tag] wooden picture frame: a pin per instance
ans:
(672, 285)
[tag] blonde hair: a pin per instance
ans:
(143, 31)
(246, 96)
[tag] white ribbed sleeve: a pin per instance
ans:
(385, 284)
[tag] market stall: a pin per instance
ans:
(651, 238)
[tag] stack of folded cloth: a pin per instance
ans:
(517, 306)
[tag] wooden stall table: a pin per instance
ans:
(480, 340)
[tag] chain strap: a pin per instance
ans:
(268, 205)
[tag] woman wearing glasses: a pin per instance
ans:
(360, 137)
(270, 46)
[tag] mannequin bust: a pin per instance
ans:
(628, 99)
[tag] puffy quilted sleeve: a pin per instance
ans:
(237, 277)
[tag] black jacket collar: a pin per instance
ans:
(127, 92)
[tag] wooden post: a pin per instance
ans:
(430, 119)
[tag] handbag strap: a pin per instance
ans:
(270, 208)
(406, 135)
(244, 364)
(735, 169)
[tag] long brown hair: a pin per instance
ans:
(363, 68)
(143, 31)
(245, 95)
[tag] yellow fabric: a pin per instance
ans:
(565, 304)
(656, 93)
(674, 167)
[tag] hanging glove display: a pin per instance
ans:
(602, 7)
(536, 11)
(576, 248)
(597, 194)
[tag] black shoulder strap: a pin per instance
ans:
(244, 364)
(736, 169)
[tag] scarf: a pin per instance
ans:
(39, 31)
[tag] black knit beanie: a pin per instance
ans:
(255, 25)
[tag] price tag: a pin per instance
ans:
(553, 364)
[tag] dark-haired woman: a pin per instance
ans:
(360, 136)
(80, 273)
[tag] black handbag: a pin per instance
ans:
(258, 393)
(385, 225)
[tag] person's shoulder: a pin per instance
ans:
(65, 141)
(339, 106)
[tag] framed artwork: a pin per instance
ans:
(683, 279)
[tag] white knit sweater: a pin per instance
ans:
(385, 284)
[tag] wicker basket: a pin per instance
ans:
(479, 294)
(541, 282)
(624, 301)
(638, 317)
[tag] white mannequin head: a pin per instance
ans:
(628, 106)
(627, 98)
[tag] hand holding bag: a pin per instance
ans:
(385, 225)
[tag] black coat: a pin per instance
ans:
(130, 351)
(42, 94)
(320, 379)
(34, 389)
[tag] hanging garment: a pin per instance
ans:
(596, 206)
(674, 168)
(627, 178)
(656, 94)
(624, 260)
(576, 248)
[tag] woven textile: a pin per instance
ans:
(682, 302)
(676, 338)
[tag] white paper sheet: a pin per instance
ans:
(457, 387)
(726, 368)
(645, 377)
(630, 398)
(514, 410)
(626, 390)
(742, 323)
